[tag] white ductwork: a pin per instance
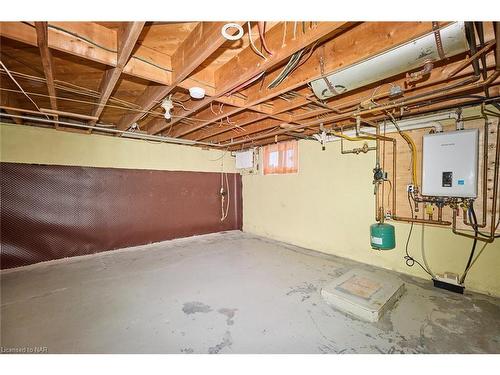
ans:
(421, 122)
(403, 58)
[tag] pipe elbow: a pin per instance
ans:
(438, 128)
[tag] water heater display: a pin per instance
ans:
(449, 164)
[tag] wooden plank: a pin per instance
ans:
(127, 38)
(359, 43)
(46, 56)
(239, 120)
(247, 64)
(204, 40)
(497, 47)
(249, 129)
(468, 89)
(200, 44)
(436, 79)
(209, 118)
(83, 47)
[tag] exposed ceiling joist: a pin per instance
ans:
(204, 40)
(247, 65)
(46, 56)
(241, 120)
(359, 43)
(127, 38)
(92, 42)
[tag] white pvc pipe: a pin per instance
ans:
(427, 121)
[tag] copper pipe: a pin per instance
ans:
(67, 114)
(50, 112)
(23, 110)
(479, 238)
(421, 221)
(491, 237)
(484, 190)
(394, 189)
(415, 99)
(468, 60)
(458, 87)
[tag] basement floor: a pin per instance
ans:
(227, 293)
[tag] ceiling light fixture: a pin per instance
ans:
(197, 92)
(167, 105)
(231, 25)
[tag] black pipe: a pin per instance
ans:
(480, 34)
(471, 212)
(471, 38)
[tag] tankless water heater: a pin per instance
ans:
(450, 163)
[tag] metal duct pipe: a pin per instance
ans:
(408, 56)
(123, 133)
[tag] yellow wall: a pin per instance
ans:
(27, 144)
(329, 205)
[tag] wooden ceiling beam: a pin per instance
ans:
(424, 101)
(8, 103)
(209, 119)
(48, 66)
(283, 137)
(127, 38)
(201, 42)
(239, 121)
(359, 43)
(91, 41)
(247, 65)
(252, 128)
(437, 80)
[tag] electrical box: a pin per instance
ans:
(244, 159)
(450, 163)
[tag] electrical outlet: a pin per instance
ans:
(410, 188)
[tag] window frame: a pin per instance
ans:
(282, 149)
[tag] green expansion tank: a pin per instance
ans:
(382, 236)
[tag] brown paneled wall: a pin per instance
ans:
(51, 212)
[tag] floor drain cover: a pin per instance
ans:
(363, 294)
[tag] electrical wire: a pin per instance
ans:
(292, 63)
(91, 42)
(411, 145)
(20, 87)
(472, 219)
(251, 42)
(225, 212)
(422, 249)
(409, 260)
(152, 113)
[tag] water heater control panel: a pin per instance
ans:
(450, 163)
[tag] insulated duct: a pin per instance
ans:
(403, 58)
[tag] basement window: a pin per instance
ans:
(281, 157)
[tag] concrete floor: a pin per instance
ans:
(226, 293)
